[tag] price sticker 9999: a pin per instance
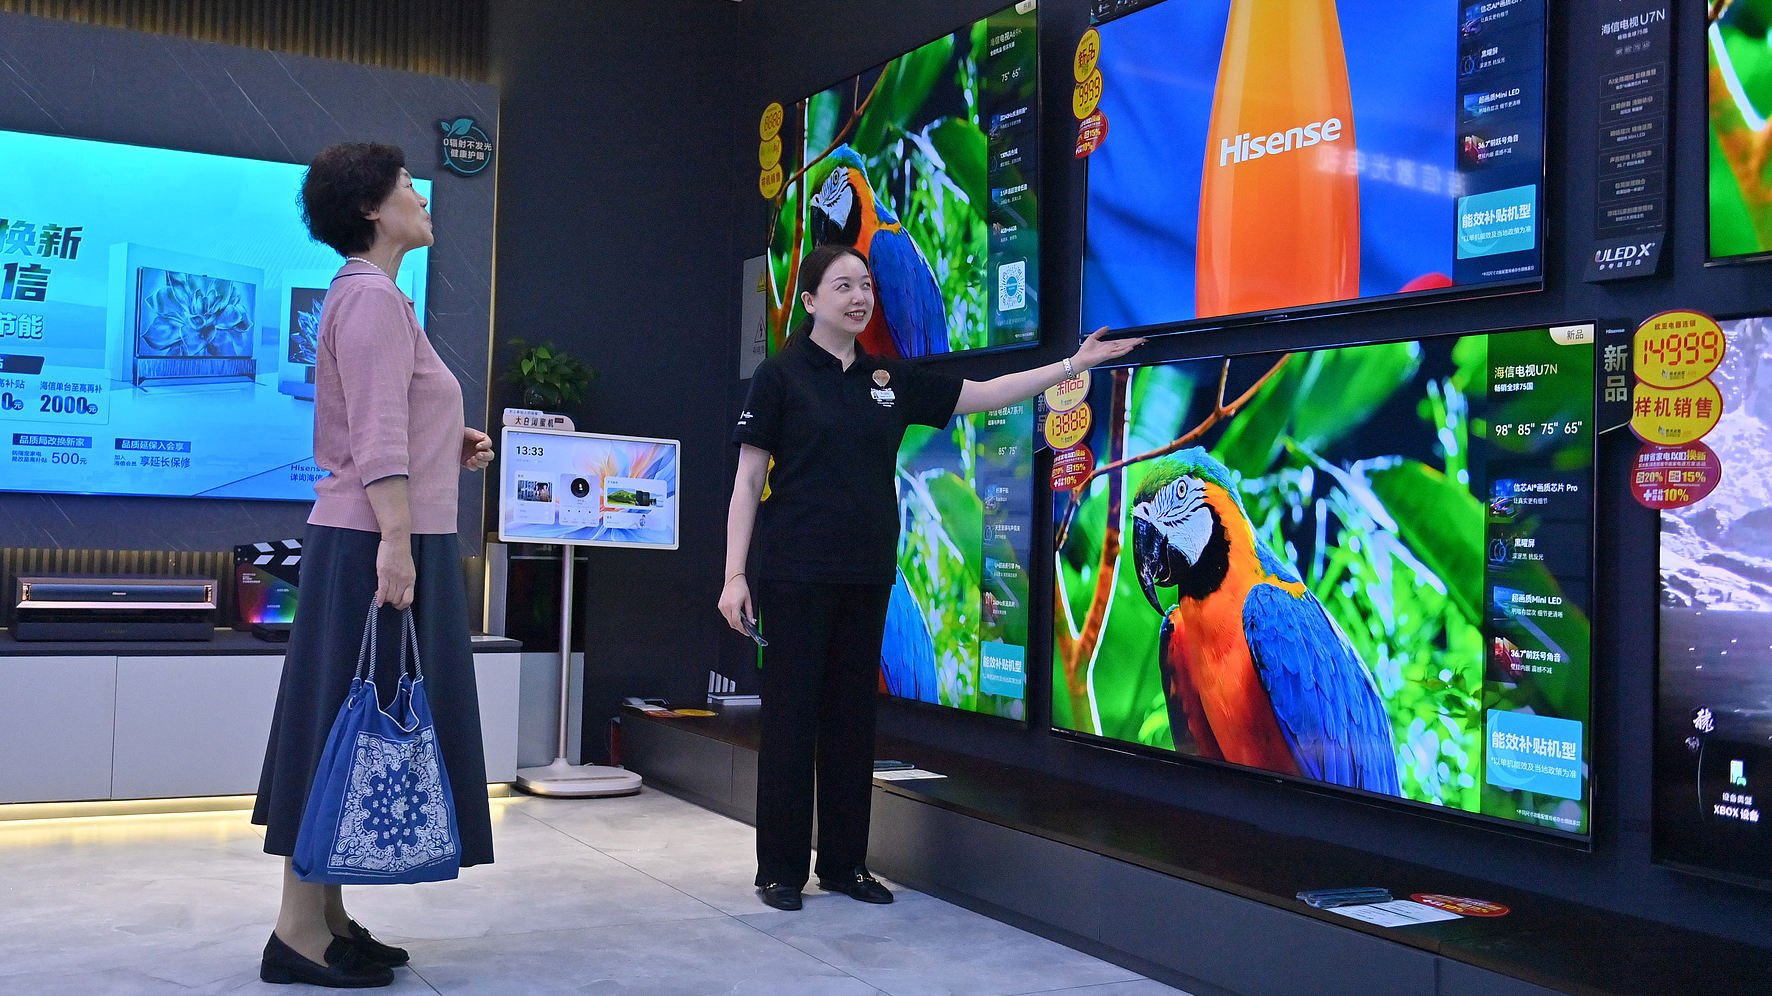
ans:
(1087, 95)
(1066, 429)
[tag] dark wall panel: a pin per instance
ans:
(615, 235)
(62, 78)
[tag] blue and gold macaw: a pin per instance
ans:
(907, 654)
(910, 317)
(1252, 664)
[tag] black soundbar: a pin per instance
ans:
(85, 607)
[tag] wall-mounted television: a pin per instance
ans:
(1277, 160)
(1364, 570)
(957, 623)
(1713, 715)
(1740, 99)
(929, 166)
(146, 316)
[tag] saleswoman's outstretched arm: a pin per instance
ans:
(998, 392)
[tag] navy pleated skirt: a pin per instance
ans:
(337, 585)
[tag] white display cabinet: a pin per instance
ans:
(188, 720)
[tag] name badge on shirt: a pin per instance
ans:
(881, 393)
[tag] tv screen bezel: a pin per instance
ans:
(1457, 817)
(1383, 302)
(1039, 175)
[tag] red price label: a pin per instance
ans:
(1462, 905)
(1072, 467)
(1091, 132)
(1674, 476)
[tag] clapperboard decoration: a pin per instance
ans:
(724, 691)
(265, 579)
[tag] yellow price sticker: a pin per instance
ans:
(1068, 394)
(769, 184)
(1087, 95)
(1675, 417)
(769, 152)
(1088, 54)
(1066, 429)
(1676, 348)
(770, 124)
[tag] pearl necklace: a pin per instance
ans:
(359, 259)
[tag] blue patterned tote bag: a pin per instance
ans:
(380, 810)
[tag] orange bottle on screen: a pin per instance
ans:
(1280, 196)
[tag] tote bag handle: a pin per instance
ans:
(367, 651)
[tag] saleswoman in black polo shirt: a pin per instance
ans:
(832, 416)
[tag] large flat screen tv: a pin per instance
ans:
(1740, 98)
(929, 166)
(1364, 569)
(957, 624)
(1270, 159)
(1713, 717)
(148, 344)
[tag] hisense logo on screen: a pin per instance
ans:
(1243, 147)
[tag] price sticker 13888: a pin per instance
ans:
(1066, 429)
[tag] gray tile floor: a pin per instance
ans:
(643, 896)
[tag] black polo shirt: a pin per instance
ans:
(832, 511)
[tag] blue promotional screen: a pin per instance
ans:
(158, 317)
(1293, 156)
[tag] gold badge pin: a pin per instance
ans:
(881, 377)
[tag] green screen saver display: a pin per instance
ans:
(957, 624)
(927, 166)
(1740, 97)
(1365, 568)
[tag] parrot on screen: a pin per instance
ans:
(910, 317)
(907, 654)
(1252, 664)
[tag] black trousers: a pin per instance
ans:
(821, 672)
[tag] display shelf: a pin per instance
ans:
(227, 643)
(1103, 853)
(122, 721)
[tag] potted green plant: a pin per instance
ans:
(550, 378)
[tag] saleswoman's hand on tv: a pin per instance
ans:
(735, 603)
(1096, 350)
(476, 448)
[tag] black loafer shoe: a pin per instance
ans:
(782, 897)
(344, 968)
(858, 884)
(372, 949)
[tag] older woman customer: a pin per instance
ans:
(388, 427)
